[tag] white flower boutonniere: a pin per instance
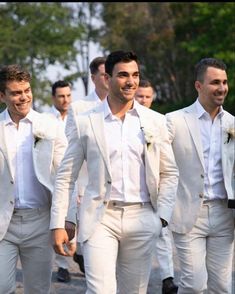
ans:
(230, 134)
(37, 137)
(148, 136)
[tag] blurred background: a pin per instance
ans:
(57, 40)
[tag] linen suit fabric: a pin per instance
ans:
(87, 137)
(203, 230)
(26, 231)
(87, 142)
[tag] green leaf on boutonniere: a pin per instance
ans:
(36, 140)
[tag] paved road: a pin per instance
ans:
(77, 285)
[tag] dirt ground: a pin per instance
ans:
(77, 285)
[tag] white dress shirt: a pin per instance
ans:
(57, 114)
(125, 143)
(29, 192)
(211, 136)
(92, 97)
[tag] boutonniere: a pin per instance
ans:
(230, 134)
(37, 137)
(148, 136)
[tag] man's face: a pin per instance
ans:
(124, 81)
(99, 79)
(18, 98)
(144, 95)
(62, 99)
(214, 88)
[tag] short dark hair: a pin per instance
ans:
(13, 72)
(203, 64)
(119, 56)
(145, 84)
(59, 84)
(95, 63)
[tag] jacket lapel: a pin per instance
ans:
(97, 123)
(192, 121)
(3, 146)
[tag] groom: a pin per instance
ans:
(132, 180)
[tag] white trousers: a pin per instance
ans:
(164, 254)
(118, 256)
(206, 252)
(27, 238)
(62, 261)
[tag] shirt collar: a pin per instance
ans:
(108, 113)
(28, 117)
(202, 112)
(55, 111)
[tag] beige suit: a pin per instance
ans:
(76, 108)
(203, 231)
(186, 142)
(86, 142)
(47, 153)
(142, 224)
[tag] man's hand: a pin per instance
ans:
(70, 229)
(61, 243)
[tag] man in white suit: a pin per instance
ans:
(31, 147)
(132, 180)
(61, 99)
(97, 71)
(145, 95)
(202, 137)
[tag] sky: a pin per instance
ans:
(57, 72)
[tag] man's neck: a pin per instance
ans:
(102, 94)
(119, 109)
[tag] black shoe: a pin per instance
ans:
(169, 287)
(63, 275)
(80, 261)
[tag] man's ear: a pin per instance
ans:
(106, 77)
(1, 97)
(197, 85)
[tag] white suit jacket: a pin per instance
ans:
(47, 154)
(87, 142)
(184, 133)
(75, 108)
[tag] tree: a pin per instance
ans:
(36, 35)
(169, 39)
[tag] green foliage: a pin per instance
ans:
(36, 35)
(170, 38)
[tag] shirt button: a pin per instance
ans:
(109, 182)
(12, 182)
(12, 202)
(201, 195)
(202, 176)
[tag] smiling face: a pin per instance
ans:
(18, 99)
(213, 89)
(124, 82)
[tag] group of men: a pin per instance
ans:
(120, 173)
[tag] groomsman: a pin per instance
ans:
(145, 95)
(202, 137)
(31, 148)
(61, 99)
(97, 71)
(132, 181)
